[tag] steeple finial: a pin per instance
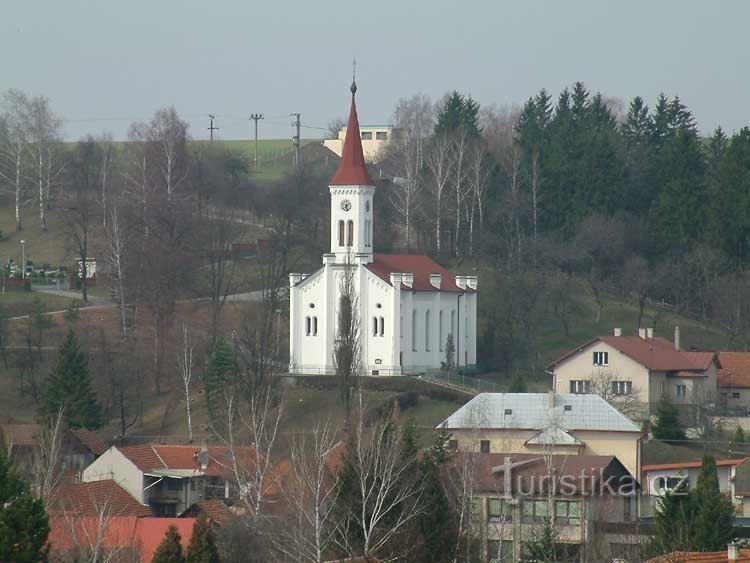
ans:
(354, 76)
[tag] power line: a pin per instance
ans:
(255, 117)
(295, 140)
(211, 128)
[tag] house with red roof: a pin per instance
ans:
(170, 478)
(640, 366)
(734, 382)
(408, 307)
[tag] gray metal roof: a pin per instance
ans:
(553, 435)
(531, 411)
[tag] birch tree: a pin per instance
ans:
(116, 249)
(13, 151)
(46, 468)
(478, 179)
(43, 139)
(439, 164)
(169, 136)
(185, 367)
(106, 164)
(460, 157)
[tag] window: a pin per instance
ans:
(414, 330)
(345, 315)
(580, 386)
(307, 326)
(350, 234)
(484, 446)
(382, 326)
(500, 551)
(568, 512)
(367, 232)
(535, 510)
(174, 484)
(453, 445)
(374, 326)
(622, 387)
(193, 485)
(401, 326)
(440, 330)
(680, 390)
(601, 358)
(627, 509)
(381, 136)
(315, 326)
(667, 483)
(453, 322)
(366, 135)
(735, 395)
(499, 509)
(427, 330)
(341, 233)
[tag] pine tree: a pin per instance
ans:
(458, 112)
(170, 549)
(23, 521)
(220, 369)
(712, 529)
(667, 426)
(69, 387)
(434, 522)
(543, 547)
(450, 353)
(202, 547)
(739, 435)
(674, 520)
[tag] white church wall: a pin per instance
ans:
(378, 310)
(310, 323)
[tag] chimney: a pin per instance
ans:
(676, 338)
(435, 280)
(733, 552)
(649, 333)
(618, 332)
(642, 333)
(203, 456)
(550, 400)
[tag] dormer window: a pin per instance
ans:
(508, 412)
(601, 358)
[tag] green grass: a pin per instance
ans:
(275, 156)
(41, 247)
(17, 303)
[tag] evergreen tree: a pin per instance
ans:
(712, 529)
(739, 435)
(439, 450)
(458, 112)
(170, 549)
(23, 521)
(543, 547)
(674, 520)
(220, 370)
(202, 547)
(667, 426)
(450, 353)
(69, 387)
(435, 525)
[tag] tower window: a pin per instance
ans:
(341, 233)
(374, 326)
(382, 327)
(350, 237)
(315, 326)
(307, 326)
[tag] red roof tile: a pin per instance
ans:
(153, 457)
(700, 557)
(691, 464)
(21, 434)
(352, 168)
(735, 369)
(214, 509)
(90, 440)
(658, 354)
(142, 535)
(703, 359)
(421, 266)
(94, 498)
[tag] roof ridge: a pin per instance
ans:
(153, 448)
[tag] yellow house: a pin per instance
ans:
(545, 423)
(641, 367)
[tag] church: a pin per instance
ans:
(408, 307)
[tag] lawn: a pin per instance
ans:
(17, 303)
(275, 156)
(41, 247)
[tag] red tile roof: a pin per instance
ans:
(143, 535)
(700, 557)
(691, 464)
(94, 498)
(658, 354)
(90, 440)
(153, 457)
(214, 509)
(703, 359)
(21, 434)
(352, 168)
(421, 266)
(735, 369)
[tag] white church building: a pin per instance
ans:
(407, 305)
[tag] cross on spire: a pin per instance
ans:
(354, 75)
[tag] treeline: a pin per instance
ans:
(578, 192)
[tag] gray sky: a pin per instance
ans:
(104, 64)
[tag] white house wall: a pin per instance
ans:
(113, 465)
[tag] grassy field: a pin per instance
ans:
(41, 247)
(17, 303)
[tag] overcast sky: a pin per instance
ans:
(104, 64)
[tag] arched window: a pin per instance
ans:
(307, 326)
(315, 326)
(367, 233)
(341, 233)
(427, 330)
(382, 327)
(414, 330)
(440, 331)
(453, 325)
(345, 316)
(350, 236)
(401, 326)
(374, 326)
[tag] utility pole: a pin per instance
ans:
(211, 127)
(295, 140)
(255, 117)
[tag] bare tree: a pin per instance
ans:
(169, 135)
(478, 178)
(185, 367)
(439, 163)
(48, 456)
(116, 250)
(334, 127)
(387, 492)
(311, 497)
(346, 349)
(106, 163)
(460, 150)
(705, 413)
(622, 395)
(13, 142)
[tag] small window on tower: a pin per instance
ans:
(341, 233)
(350, 236)
(315, 326)
(382, 326)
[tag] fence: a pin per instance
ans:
(461, 381)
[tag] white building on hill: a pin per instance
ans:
(407, 305)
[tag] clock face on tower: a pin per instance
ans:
(346, 205)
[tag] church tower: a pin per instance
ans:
(352, 191)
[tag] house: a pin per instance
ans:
(586, 498)
(171, 478)
(644, 365)
(119, 539)
(374, 138)
(659, 479)
(555, 423)
(407, 307)
(734, 382)
(95, 499)
(732, 554)
(23, 442)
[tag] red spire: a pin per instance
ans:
(352, 169)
